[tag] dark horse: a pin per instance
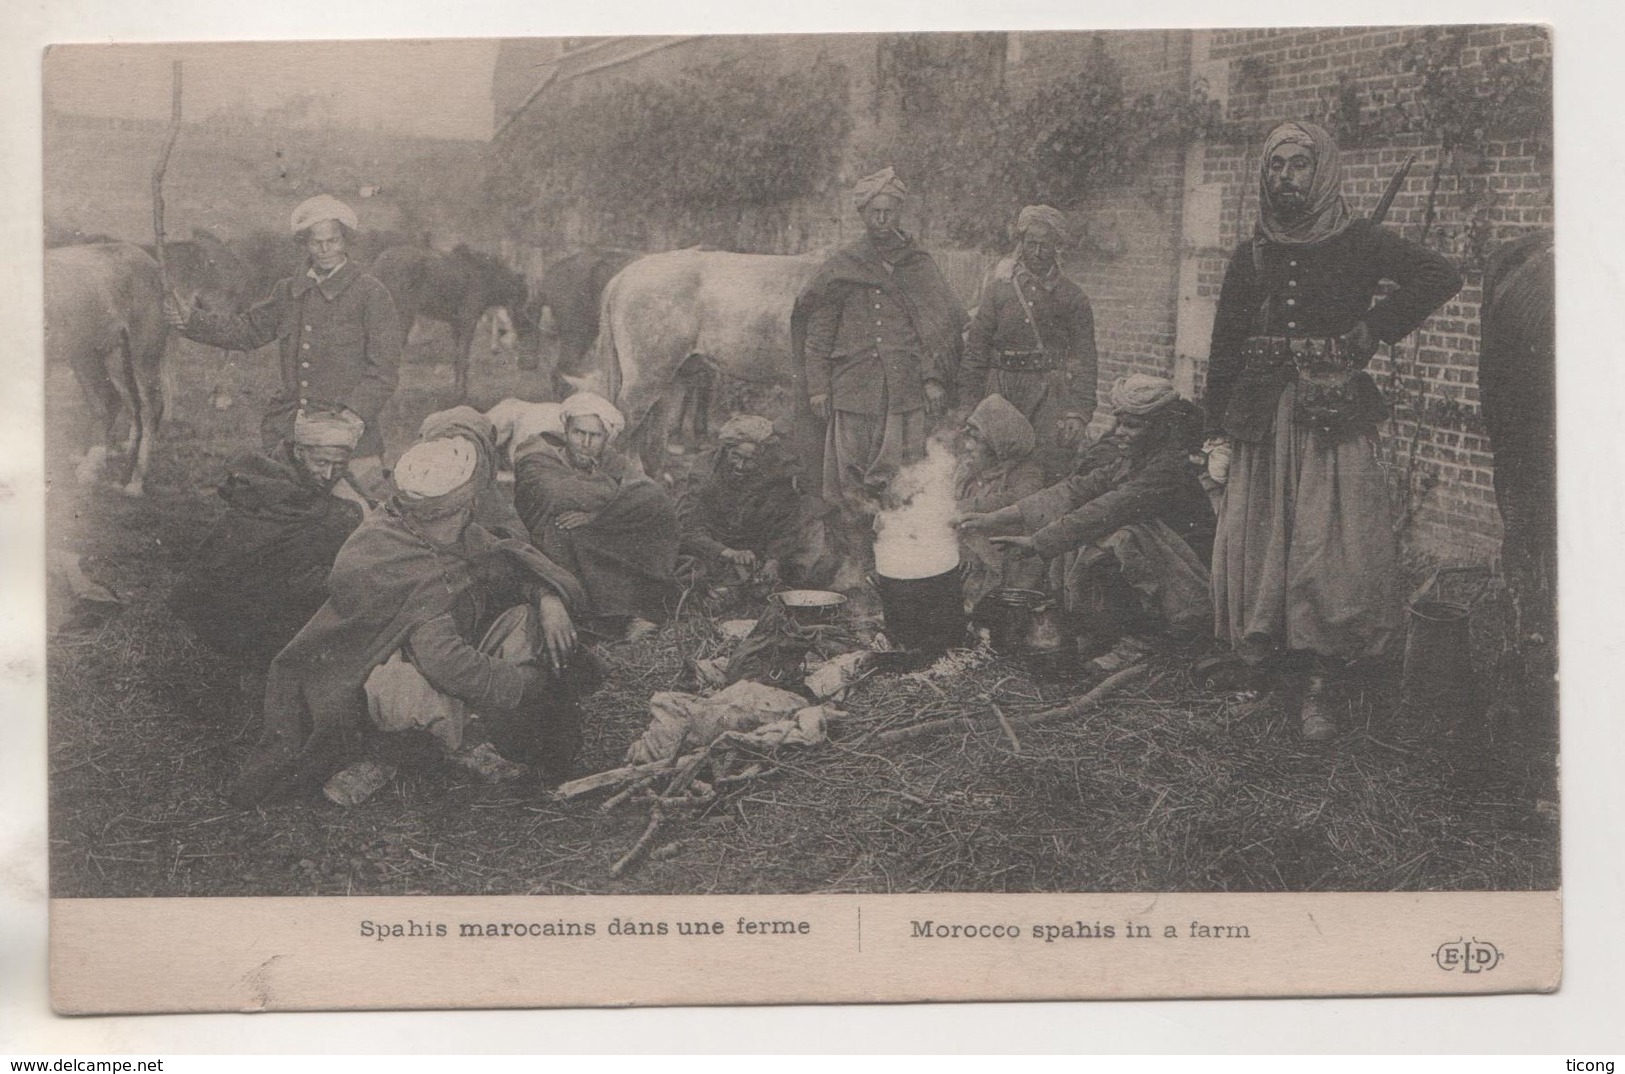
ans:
(572, 288)
(456, 288)
(1518, 398)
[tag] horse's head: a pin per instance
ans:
(205, 270)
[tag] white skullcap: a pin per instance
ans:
(313, 211)
(436, 467)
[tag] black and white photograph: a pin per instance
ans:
(867, 464)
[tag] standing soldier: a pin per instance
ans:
(340, 336)
(1305, 564)
(878, 333)
(1033, 341)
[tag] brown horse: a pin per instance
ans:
(456, 288)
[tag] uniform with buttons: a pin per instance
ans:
(1039, 355)
(340, 340)
(1314, 292)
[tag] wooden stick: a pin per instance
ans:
(630, 858)
(1009, 732)
(613, 777)
(158, 175)
(1106, 687)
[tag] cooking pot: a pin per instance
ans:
(923, 615)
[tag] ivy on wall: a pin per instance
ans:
(708, 142)
(972, 145)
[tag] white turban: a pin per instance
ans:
(313, 211)
(434, 468)
(1141, 394)
(582, 404)
(745, 428)
(327, 428)
(870, 187)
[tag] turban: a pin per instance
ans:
(870, 187)
(327, 428)
(1325, 212)
(436, 477)
(1043, 218)
(745, 429)
(313, 211)
(583, 404)
(1140, 394)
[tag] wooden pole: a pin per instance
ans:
(158, 175)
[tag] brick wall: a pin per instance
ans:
(1136, 242)
(1432, 381)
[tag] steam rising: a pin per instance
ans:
(917, 538)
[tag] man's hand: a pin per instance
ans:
(976, 523)
(572, 520)
(1024, 545)
(1359, 344)
(174, 315)
(740, 557)
(934, 396)
(820, 406)
(1069, 430)
(769, 574)
(558, 633)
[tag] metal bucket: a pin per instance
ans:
(1007, 613)
(1439, 677)
(923, 615)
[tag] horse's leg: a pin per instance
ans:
(98, 392)
(703, 391)
(120, 369)
(146, 370)
(462, 332)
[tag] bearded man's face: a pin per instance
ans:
(1289, 173)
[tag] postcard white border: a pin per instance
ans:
(1579, 1017)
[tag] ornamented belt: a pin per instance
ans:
(1024, 361)
(1268, 354)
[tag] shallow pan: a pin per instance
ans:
(811, 605)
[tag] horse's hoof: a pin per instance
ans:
(134, 488)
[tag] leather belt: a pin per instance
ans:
(1024, 361)
(1268, 354)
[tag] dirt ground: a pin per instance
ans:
(1166, 786)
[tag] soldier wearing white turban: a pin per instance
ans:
(604, 521)
(1033, 340)
(339, 331)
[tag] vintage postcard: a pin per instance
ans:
(804, 518)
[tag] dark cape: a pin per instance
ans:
(762, 512)
(261, 572)
(915, 282)
(386, 582)
(626, 557)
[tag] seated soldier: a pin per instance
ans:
(493, 508)
(261, 571)
(996, 469)
(1129, 534)
(603, 521)
(397, 645)
(744, 517)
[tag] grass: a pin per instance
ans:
(1165, 786)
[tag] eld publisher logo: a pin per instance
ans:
(1467, 956)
